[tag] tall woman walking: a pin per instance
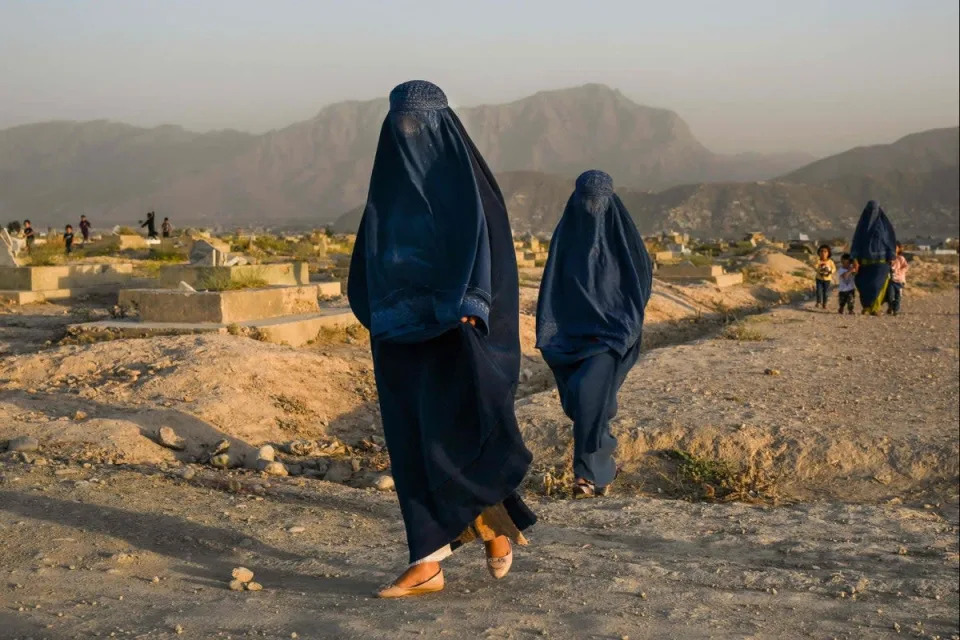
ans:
(873, 249)
(590, 319)
(434, 279)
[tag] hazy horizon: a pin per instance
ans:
(815, 77)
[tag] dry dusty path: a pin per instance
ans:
(138, 555)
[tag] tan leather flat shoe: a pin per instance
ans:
(427, 586)
(499, 567)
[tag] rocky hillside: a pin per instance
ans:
(924, 152)
(315, 170)
(920, 204)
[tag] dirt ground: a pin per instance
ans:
(122, 553)
(817, 404)
(837, 435)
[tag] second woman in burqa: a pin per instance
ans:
(590, 318)
(434, 279)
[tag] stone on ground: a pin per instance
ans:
(169, 438)
(242, 574)
(23, 443)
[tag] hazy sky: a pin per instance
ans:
(764, 75)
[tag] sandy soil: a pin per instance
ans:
(108, 551)
(824, 405)
(845, 453)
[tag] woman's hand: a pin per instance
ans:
(471, 320)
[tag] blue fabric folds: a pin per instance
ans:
(874, 237)
(874, 245)
(422, 253)
(598, 277)
(435, 245)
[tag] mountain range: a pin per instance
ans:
(311, 172)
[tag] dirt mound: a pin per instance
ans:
(206, 388)
(780, 262)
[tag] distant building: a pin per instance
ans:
(674, 237)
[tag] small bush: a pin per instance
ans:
(700, 478)
(248, 279)
(167, 256)
(304, 250)
(272, 245)
(127, 231)
(700, 260)
(93, 250)
(742, 333)
(757, 275)
(221, 280)
(240, 245)
(48, 254)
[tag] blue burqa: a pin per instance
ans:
(590, 315)
(874, 245)
(434, 246)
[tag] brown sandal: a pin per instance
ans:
(583, 489)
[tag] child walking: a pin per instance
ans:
(898, 278)
(29, 234)
(825, 269)
(68, 238)
(85, 229)
(847, 289)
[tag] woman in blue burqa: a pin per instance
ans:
(590, 319)
(873, 248)
(434, 279)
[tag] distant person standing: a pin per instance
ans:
(68, 238)
(873, 249)
(151, 224)
(847, 290)
(166, 228)
(85, 229)
(826, 267)
(898, 279)
(29, 234)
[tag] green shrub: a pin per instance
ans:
(221, 280)
(48, 254)
(272, 244)
(158, 255)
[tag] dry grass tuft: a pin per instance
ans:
(742, 333)
(351, 334)
(698, 478)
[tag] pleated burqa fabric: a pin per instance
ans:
(435, 245)
(590, 315)
(874, 245)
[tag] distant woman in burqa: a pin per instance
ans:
(590, 319)
(873, 248)
(434, 279)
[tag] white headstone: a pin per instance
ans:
(8, 252)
